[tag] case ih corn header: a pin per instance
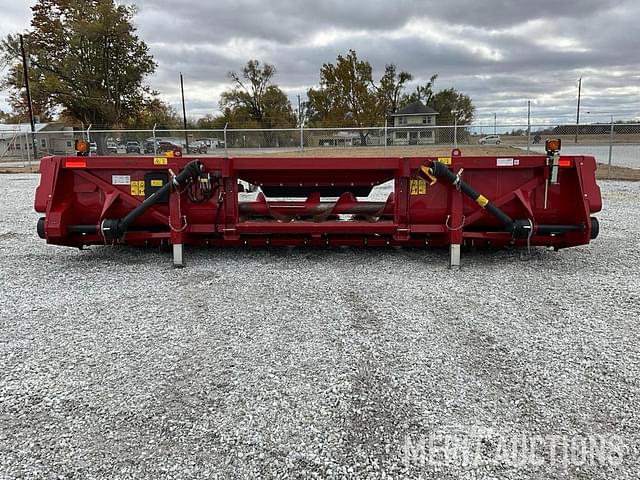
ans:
(544, 200)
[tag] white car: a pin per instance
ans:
(490, 139)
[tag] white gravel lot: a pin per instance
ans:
(263, 363)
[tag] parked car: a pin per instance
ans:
(198, 147)
(112, 147)
(133, 147)
(495, 139)
(149, 147)
(211, 142)
(169, 146)
(206, 141)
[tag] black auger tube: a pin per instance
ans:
(113, 229)
(519, 228)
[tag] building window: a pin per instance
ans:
(43, 142)
(402, 121)
(424, 120)
(426, 134)
(401, 134)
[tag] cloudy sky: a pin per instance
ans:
(501, 53)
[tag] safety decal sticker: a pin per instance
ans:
(120, 179)
(504, 162)
(137, 188)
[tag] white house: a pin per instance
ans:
(51, 139)
(414, 115)
(339, 139)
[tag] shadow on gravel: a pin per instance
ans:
(437, 257)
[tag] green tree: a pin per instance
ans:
(422, 93)
(86, 59)
(348, 95)
(43, 107)
(11, 117)
(211, 122)
(390, 90)
(156, 113)
(447, 101)
(444, 102)
(255, 101)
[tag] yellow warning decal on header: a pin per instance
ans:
(160, 161)
(156, 183)
(137, 188)
(418, 187)
(482, 201)
(445, 160)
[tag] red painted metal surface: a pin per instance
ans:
(84, 191)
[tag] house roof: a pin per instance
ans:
(9, 131)
(21, 127)
(415, 108)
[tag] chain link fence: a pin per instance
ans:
(614, 143)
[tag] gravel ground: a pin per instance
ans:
(330, 363)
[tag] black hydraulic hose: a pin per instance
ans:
(116, 228)
(519, 228)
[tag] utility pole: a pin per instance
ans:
(301, 120)
(184, 116)
(25, 71)
(528, 126)
(578, 110)
(495, 117)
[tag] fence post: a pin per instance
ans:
(155, 144)
(19, 142)
(455, 130)
(302, 135)
(225, 139)
(610, 146)
(385, 133)
(26, 146)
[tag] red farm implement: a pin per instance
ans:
(543, 200)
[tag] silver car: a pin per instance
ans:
(495, 139)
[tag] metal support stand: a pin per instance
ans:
(455, 225)
(454, 260)
(178, 260)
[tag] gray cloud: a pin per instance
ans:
(501, 53)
